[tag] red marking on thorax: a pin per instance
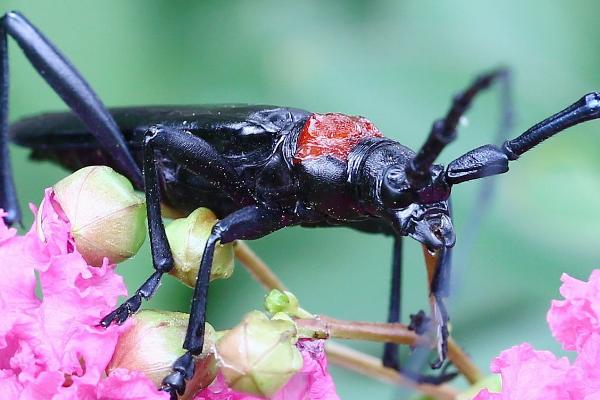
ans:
(332, 135)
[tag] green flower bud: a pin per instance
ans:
(259, 355)
(284, 302)
(153, 342)
(187, 238)
(106, 215)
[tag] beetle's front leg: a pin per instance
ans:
(197, 155)
(439, 290)
(251, 222)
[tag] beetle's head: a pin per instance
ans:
(419, 212)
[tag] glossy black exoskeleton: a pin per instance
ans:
(260, 169)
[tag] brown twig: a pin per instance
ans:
(371, 366)
(378, 332)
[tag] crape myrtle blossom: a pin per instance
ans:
(529, 374)
(51, 346)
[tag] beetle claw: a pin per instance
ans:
(170, 390)
(120, 315)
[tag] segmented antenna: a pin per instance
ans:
(443, 130)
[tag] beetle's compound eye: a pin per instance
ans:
(395, 189)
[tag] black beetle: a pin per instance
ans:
(260, 168)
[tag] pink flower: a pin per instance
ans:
(575, 323)
(528, 374)
(313, 382)
(575, 318)
(51, 346)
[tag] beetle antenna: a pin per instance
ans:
(443, 130)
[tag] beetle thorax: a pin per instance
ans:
(333, 135)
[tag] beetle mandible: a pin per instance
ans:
(259, 168)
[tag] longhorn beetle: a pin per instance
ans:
(260, 168)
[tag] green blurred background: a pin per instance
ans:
(397, 63)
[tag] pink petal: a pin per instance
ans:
(313, 382)
(487, 395)
(10, 387)
(573, 319)
(528, 374)
(53, 347)
(122, 384)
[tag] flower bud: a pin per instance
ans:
(284, 302)
(153, 342)
(187, 238)
(259, 355)
(106, 215)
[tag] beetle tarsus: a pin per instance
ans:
(419, 322)
(124, 311)
(183, 370)
(133, 304)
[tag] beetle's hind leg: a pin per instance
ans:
(197, 155)
(74, 91)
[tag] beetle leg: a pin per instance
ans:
(439, 290)
(8, 193)
(390, 350)
(439, 266)
(250, 222)
(195, 154)
(70, 86)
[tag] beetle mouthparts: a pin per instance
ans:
(434, 231)
(444, 230)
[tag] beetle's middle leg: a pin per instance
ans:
(197, 155)
(248, 223)
(391, 350)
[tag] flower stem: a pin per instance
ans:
(371, 366)
(326, 327)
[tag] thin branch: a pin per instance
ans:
(371, 366)
(326, 327)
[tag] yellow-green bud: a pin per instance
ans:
(153, 342)
(107, 216)
(259, 355)
(187, 238)
(284, 302)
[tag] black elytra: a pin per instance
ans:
(260, 168)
